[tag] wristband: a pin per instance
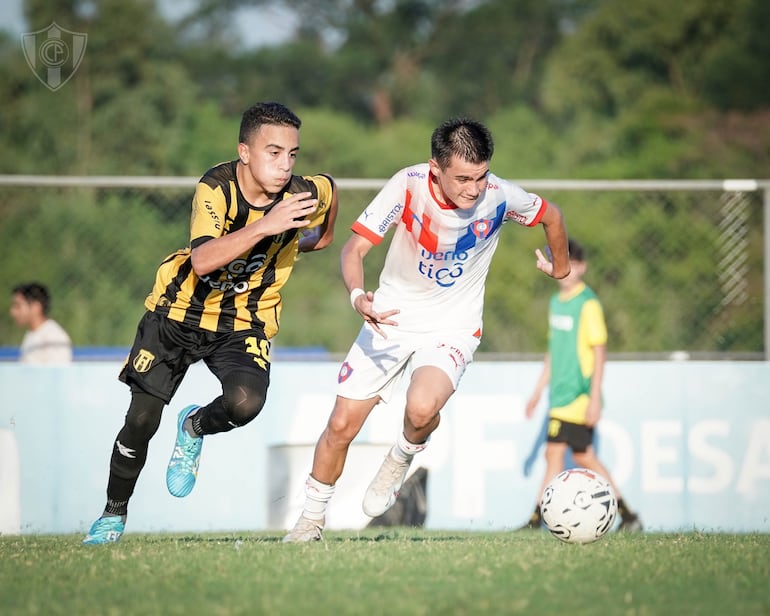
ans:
(354, 295)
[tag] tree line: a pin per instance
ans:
(575, 88)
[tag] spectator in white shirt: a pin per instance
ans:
(45, 341)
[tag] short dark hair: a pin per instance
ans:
(34, 292)
(462, 137)
(266, 113)
(576, 251)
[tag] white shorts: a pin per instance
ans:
(375, 365)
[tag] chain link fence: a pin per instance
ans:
(678, 265)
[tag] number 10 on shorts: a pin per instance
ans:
(260, 349)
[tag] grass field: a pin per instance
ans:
(387, 571)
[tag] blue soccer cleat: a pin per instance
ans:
(182, 469)
(105, 530)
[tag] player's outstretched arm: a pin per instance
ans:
(352, 264)
(556, 236)
(594, 411)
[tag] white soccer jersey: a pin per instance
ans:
(436, 267)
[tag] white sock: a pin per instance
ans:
(404, 450)
(317, 497)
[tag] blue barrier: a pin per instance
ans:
(687, 442)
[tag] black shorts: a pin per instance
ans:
(578, 436)
(163, 350)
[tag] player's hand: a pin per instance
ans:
(529, 408)
(543, 262)
(593, 412)
(364, 306)
(288, 214)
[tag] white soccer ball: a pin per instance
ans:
(578, 506)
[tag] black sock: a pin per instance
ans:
(624, 510)
(195, 424)
(113, 508)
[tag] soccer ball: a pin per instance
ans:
(578, 506)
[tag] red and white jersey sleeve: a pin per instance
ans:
(438, 260)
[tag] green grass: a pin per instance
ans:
(387, 571)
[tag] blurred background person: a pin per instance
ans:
(45, 341)
(573, 372)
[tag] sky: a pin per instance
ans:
(258, 27)
(11, 17)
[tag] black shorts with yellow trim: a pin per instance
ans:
(578, 436)
(164, 349)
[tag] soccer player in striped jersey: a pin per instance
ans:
(425, 318)
(219, 301)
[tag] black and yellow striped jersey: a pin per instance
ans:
(244, 294)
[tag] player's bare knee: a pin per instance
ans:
(421, 411)
(419, 422)
(341, 429)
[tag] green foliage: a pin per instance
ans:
(348, 149)
(503, 66)
(734, 70)
(97, 287)
(523, 144)
(634, 89)
(622, 50)
(570, 88)
(125, 111)
(606, 89)
(655, 260)
(208, 138)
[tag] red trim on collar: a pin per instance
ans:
(441, 204)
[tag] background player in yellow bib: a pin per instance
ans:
(219, 301)
(573, 370)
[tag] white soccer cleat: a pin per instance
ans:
(382, 493)
(305, 530)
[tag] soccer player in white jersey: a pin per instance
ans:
(425, 318)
